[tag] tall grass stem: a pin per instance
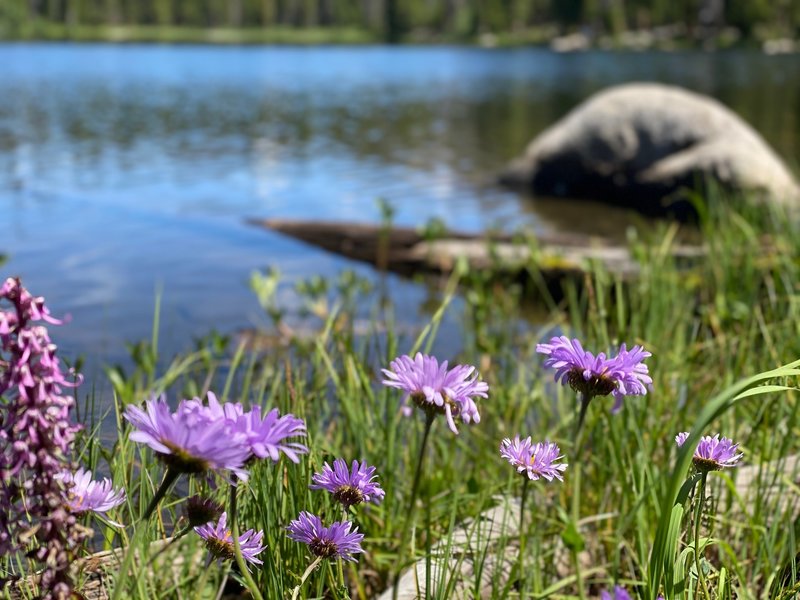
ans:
(701, 499)
(237, 547)
(429, 418)
(576, 477)
(306, 574)
(523, 532)
(169, 478)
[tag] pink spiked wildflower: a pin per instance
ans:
(36, 437)
(435, 389)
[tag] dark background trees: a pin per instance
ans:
(397, 20)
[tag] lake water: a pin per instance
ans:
(130, 169)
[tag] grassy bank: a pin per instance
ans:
(616, 519)
(195, 35)
(280, 35)
(542, 35)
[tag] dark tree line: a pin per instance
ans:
(394, 19)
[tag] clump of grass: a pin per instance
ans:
(724, 333)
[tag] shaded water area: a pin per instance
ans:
(130, 169)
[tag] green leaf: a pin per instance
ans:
(572, 538)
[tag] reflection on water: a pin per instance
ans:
(124, 169)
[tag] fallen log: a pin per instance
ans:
(92, 573)
(406, 251)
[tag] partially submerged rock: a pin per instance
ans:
(640, 145)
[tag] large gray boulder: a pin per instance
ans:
(643, 144)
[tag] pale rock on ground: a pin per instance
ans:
(479, 557)
(483, 551)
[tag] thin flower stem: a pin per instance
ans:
(429, 417)
(576, 450)
(526, 481)
(341, 575)
(336, 586)
(169, 478)
(251, 585)
(576, 478)
(523, 532)
(169, 544)
(585, 400)
(306, 575)
(201, 584)
(578, 575)
(701, 498)
(222, 584)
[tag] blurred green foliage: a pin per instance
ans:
(388, 20)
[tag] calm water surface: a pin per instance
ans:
(128, 169)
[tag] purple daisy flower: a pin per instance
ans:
(712, 453)
(264, 435)
(189, 440)
(219, 541)
(622, 375)
(349, 486)
(533, 460)
(620, 593)
(82, 494)
(336, 541)
(435, 389)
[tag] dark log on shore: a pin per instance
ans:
(406, 251)
(92, 572)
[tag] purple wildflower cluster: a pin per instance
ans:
(215, 436)
(349, 486)
(436, 389)
(622, 375)
(199, 437)
(336, 541)
(36, 437)
(41, 495)
(534, 461)
(712, 453)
